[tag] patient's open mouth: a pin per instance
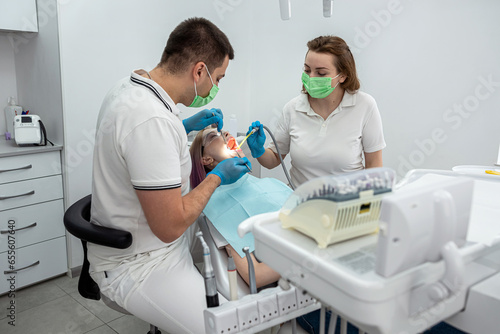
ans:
(231, 144)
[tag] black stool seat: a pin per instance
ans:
(77, 222)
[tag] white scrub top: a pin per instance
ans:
(320, 147)
(140, 144)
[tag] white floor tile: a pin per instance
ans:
(60, 316)
(30, 297)
(98, 308)
(129, 324)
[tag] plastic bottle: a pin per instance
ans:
(232, 126)
(11, 110)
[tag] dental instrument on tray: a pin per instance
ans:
(330, 209)
(251, 271)
(232, 278)
(208, 273)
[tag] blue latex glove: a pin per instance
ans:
(256, 140)
(230, 170)
(203, 119)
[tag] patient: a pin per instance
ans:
(207, 150)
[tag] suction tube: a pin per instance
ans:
(279, 155)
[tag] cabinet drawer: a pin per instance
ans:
(43, 260)
(22, 193)
(29, 166)
(33, 224)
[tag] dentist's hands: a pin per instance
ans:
(203, 119)
(231, 170)
(256, 140)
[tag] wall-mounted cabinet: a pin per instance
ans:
(18, 15)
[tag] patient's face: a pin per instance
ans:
(214, 146)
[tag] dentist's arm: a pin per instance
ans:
(202, 119)
(169, 213)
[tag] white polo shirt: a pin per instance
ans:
(320, 147)
(140, 144)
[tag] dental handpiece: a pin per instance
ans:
(208, 273)
(232, 277)
(251, 271)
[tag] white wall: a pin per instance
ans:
(38, 70)
(8, 81)
(419, 62)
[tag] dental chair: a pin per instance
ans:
(77, 222)
(219, 259)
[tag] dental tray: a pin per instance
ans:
(330, 209)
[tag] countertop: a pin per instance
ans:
(10, 148)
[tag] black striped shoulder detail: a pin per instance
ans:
(172, 186)
(153, 89)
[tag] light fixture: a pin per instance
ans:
(327, 8)
(286, 10)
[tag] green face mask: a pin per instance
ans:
(201, 101)
(318, 87)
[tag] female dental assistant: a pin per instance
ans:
(331, 127)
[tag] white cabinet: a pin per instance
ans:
(32, 234)
(18, 15)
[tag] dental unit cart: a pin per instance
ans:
(428, 263)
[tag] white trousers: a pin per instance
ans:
(162, 287)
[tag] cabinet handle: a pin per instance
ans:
(7, 272)
(18, 229)
(14, 196)
(13, 169)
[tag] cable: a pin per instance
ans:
(279, 156)
(44, 135)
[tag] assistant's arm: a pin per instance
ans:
(373, 159)
(270, 159)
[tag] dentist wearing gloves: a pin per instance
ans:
(331, 127)
(141, 171)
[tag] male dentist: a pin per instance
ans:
(141, 171)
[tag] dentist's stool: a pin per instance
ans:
(77, 222)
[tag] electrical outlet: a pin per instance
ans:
(221, 320)
(303, 298)
(287, 301)
(268, 307)
(248, 315)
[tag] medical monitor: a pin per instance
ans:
(418, 220)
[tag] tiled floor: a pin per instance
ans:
(56, 307)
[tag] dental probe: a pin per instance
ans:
(231, 274)
(225, 143)
(251, 271)
(208, 274)
(239, 156)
